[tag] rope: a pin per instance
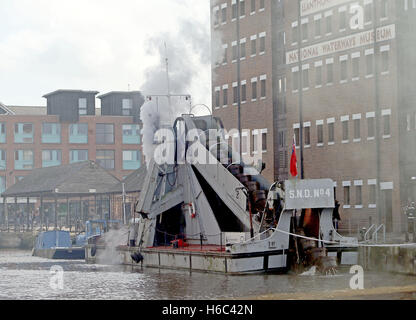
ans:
(351, 245)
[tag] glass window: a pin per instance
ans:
(253, 5)
(344, 75)
(355, 68)
(127, 107)
(305, 33)
(105, 158)
(262, 4)
(329, 24)
(217, 99)
(343, 20)
(385, 61)
(78, 155)
(254, 90)
(82, 106)
(224, 15)
(234, 11)
(225, 97)
(105, 133)
(346, 195)
(235, 53)
(358, 196)
(2, 128)
(235, 95)
(253, 47)
(368, 12)
(295, 77)
(295, 34)
(307, 133)
(305, 79)
(318, 31)
(244, 92)
(370, 61)
(318, 75)
(242, 8)
(320, 133)
(331, 132)
(329, 73)
(372, 194)
(371, 127)
(345, 132)
(262, 44)
(297, 137)
(263, 88)
(243, 50)
(264, 141)
(386, 120)
(357, 129)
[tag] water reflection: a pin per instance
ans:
(27, 277)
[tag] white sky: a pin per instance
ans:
(101, 45)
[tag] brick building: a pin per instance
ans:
(71, 129)
(348, 101)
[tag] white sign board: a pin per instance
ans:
(309, 194)
(313, 6)
(341, 44)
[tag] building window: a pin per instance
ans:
(358, 196)
(372, 195)
(225, 96)
(127, 107)
(329, 72)
(344, 75)
(328, 19)
(224, 14)
(262, 5)
(242, 8)
(345, 131)
(263, 87)
(305, 33)
(104, 133)
(385, 59)
(255, 142)
(23, 160)
(23, 133)
(78, 133)
(243, 49)
(244, 143)
(357, 129)
(105, 158)
(295, 78)
(264, 141)
(2, 184)
(51, 158)
(370, 63)
(371, 127)
(2, 132)
(320, 129)
(307, 134)
(356, 66)
(331, 133)
(82, 106)
(384, 8)
(368, 12)
(131, 134)
(318, 74)
(343, 20)
(51, 133)
(235, 53)
(262, 39)
(295, 33)
(253, 6)
(253, 46)
(225, 54)
(305, 77)
(216, 16)
(217, 98)
(235, 93)
(386, 122)
(254, 89)
(78, 156)
(318, 29)
(297, 136)
(234, 10)
(3, 165)
(347, 195)
(131, 159)
(244, 92)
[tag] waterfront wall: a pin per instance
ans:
(11, 240)
(389, 259)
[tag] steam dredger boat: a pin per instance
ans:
(221, 215)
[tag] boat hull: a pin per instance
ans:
(198, 261)
(60, 253)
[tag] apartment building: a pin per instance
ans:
(71, 129)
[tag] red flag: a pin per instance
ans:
(293, 160)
